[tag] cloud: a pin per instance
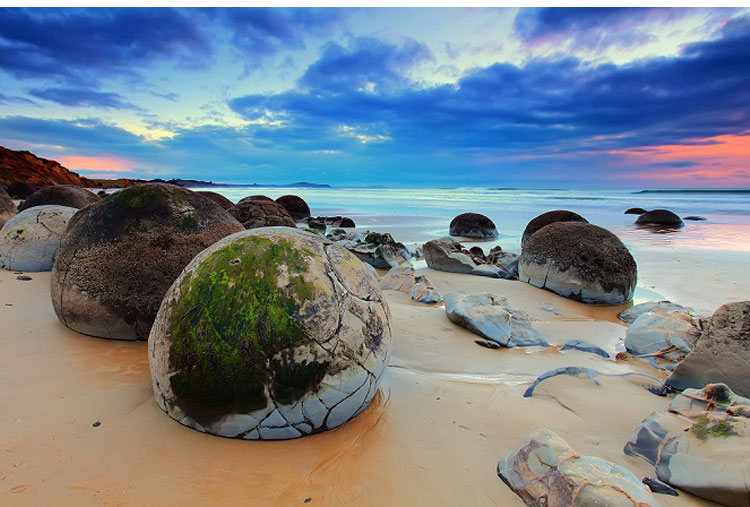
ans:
(81, 97)
(5, 99)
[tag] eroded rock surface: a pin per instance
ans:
(668, 335)
(60, 195)
(379, 250)
(217, 198)
(270, 334)
(547, 218)
(260, 211)
(473, 225)
(628, 316)
(545, 470)
(446, 254)
(404, 279)
(31, 239)
(491, 317)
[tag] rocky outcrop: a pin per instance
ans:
(545, 470)
(663, 334)
(379, 250)
(446, 254)
(217, 198)
(296, 206)
(660, 217)
(579, 261)
(721, 355)
(30, 240)
(491, 317)
(253, 212)
(270, 334)
(119, 257)
(550, 217)
(474, 226)
(60, 195)
(700, 444)
(7, 207)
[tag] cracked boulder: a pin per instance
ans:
(700, 444)
(296, 206)
(60, 195)
(473, 225)
(550, 217)
(490, 317)
(270, 334)
(30, 240)
(579, 261)
(119, 257)
(447, 254)
(260, 211)
(545, 470)
(7, 207)
(722, 354)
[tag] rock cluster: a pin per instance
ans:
(579, 261)
(446, 254)
(118, 257)
(270, 334)
(379, 250)
(31, 239)
(60, 195)
(404, 279)
(474, 226)
(255, 211)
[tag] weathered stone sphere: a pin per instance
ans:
(296, 206)
(30, 240)
(60, 195)
(253, 212)
(660, 217)
(217, 198)
(635, 211)
(119, 257)
(473, 225)
(21, 190)
(579, 261)
(258, 198)
(550, 217)
(7, 207)
(270, 334)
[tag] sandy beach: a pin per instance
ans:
(447, 409)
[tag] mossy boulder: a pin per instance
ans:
(579, 261)
(7, 207)
(119, 257)
(473, 225)
(550, 217)
(270, 334)
(295, 205)
(30, 240)
(217, 198)
(60, 195)
(254, 212)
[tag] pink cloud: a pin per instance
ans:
(109, 164)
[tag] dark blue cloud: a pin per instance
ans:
(82, 97)
(69, 42)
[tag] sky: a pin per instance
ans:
(532, 97)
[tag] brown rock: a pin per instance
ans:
(296, 206)
(217, 198)
(60, 195)
(253, 212)
(550, 217)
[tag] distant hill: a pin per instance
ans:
(25, 167)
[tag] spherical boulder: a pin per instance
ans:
(217, 198)
(21, 190)
(30, 240)
(579, 261)
(259, 198)
(543, 220)
(253, 212)
(270, 334)
(119, 257)
(660, 217)
(60, 195)
(296, 206)
(635, 211)
(7, 207)
(473, 225)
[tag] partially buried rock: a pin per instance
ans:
(550, 217)
(579, 261)
(119, 257)
(60, 195)
(424, 292)
(545, 470)
(404, 279)
(660, 217)
(635, 211)
(270, 334)
(695, 218)
(721, 355)
(628, 316)
(585, 346)
(473, 225)
(7, 207)
(30, 240)
(337, 221)
(700, 444)
(491, 317)
(669, 335)
(296, 206)
(446, 254)
(217, 198)
(254, 212)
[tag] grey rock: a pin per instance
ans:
(671, 335)
(60, 195)
(31, 239)
(446, 254)
(628, 316)
(583, 372)
(424, 292)
(585, 346)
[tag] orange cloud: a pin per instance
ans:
(100, 164)
(720, 161)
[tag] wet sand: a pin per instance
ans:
(447, 410)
